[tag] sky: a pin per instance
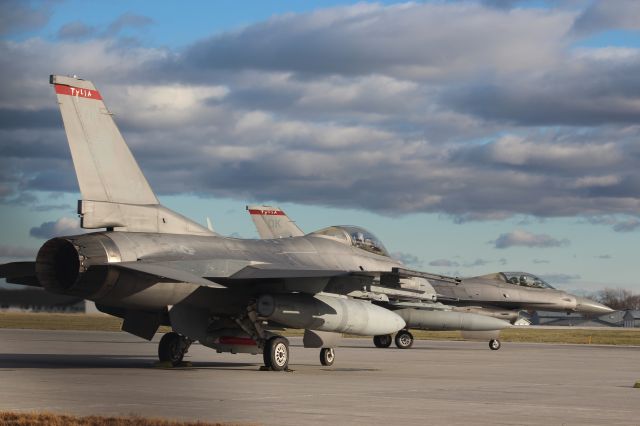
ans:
(470, 136)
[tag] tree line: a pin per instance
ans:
(619, 299)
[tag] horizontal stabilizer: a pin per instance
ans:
(23, 273)
(162, 271)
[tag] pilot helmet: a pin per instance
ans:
(524, 280)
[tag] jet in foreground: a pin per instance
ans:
(151, 266)
(500, 295)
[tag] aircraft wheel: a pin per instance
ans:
(382, 341)
(172, 348)
(276, 353)
(327, 356)
(404, 339)
(494, 344)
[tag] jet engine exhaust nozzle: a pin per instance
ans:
(63, 265)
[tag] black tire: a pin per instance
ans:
(494, 344)
(276, 354)
(404, 339)
(172, 348)
(382, 341)
(327, 356)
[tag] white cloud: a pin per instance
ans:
(520, 238)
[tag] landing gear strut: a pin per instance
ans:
(404, 339)
(494, 344)
(327, 356)
(172, 348)
(382, 341)
(276, 353)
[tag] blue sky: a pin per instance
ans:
(470, 136)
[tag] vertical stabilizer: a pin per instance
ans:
(105, 167)
(272, 222)
(115, 193)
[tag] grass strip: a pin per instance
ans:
(88, 322)
(51, 419)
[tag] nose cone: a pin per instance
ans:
(588, 307)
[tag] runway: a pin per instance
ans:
(436, 382)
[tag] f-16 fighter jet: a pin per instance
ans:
(151, 266)
(501, 295)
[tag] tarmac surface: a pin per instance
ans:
(436, 382)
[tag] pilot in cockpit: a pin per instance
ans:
(524, 281)
(358, 237)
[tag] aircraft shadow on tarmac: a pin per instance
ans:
(61, 361)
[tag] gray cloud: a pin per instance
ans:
(444, 263)
(604, 257)
(128, 20)
(627, 226)
(16, 252)
(391, 109)
(408, 259)
(75, 31)
(520, 238)
(61, 227)
(17, 16)
(604, 15)
(554, 279)
(540, 261)
(477, 262)
(402, 39)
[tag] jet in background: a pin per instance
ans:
(501, 295)
(505, 294)
(152, 266)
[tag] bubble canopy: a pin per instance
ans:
(525, 279)
(356, 236)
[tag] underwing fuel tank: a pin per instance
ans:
(329, 313)
(449, 320)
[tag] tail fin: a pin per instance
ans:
(272, 222)
(105, 167)
(115, 193)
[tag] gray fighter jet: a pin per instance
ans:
(501, 295)
(505, 294)
(151, 266)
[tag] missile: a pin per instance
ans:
(329, 313)
(449, 320)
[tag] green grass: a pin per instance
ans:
(50, 419)
(606, 336)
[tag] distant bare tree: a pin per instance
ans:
(618, 298)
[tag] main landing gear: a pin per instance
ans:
(403, 339)
(172, 348)
(276, 353)
(494, 344)
(382, 341)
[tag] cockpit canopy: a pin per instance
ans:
(356, 236)
(525, 279)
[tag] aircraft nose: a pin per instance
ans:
(589, 307)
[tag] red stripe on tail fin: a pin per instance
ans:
(62, 89)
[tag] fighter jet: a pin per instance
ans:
(505, 294)
(152, 266)
(501, 295)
